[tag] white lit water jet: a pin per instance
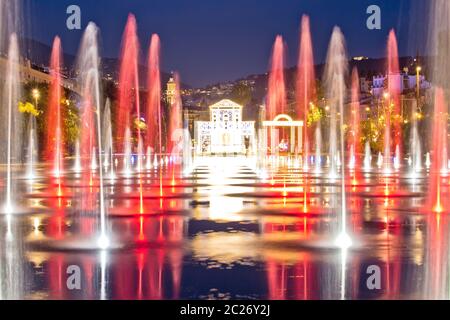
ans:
(32, 150)
(335, 74)
(108, 141)
(77, 163)
(90, 80)
(12, 120)
(367, 157)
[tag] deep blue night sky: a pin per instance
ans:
(214, 40)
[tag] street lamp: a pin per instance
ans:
(36, 95)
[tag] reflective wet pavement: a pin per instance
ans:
(222, 232)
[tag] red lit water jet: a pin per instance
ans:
(88, 144)
(176, 124)
(276, 95)
(306, 92)
(128, 82)
(306, 86)
(54, 139)
(439, 149)
(392, 101)
(154, 138)
(129, 93)
(276, 92)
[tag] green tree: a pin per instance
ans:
(69, 110)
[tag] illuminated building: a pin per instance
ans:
(225, 133)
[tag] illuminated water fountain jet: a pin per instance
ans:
(54, 142)
(318, 157)
(335, 73)
(12, 122)
(77, 162)
(276, 92)
(89, 80)
(439, 150)
(176, 133)
(355, 134)
(127, 156)
(367, 157)
(128, 92)
(108, 141)
(392, 105)
(32, 149)
(154, 117)
(306, 84)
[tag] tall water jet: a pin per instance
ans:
(355, 132)
(154, 118)
(276, 92)
(108, 149)
(187, 150)
(88, 142)
(306, 83)
(89, 80)
(32, 149)
(11, 22)
(176, 122)
(334, 78)
(127, 153)
(415, 143)
(11, 129)
(77, 162)
(439, 150)
(380, 160)
(128, 84)
(439, 43)
(392, 103)
(54, 137)
(367, 157)
(318, 157)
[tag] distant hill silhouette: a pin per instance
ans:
(39, 54)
